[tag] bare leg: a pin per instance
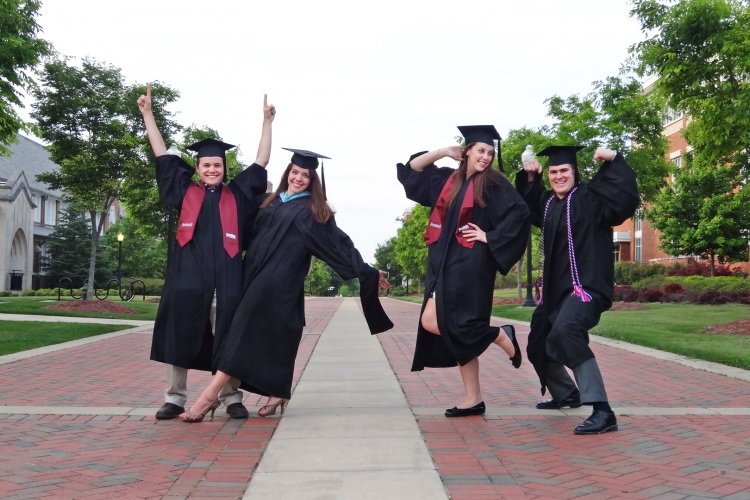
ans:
(210, 393)
(429, 317)
(470, 376)
(505, 343)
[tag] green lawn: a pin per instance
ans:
(673, 328)
(16, 336)
(35, 305)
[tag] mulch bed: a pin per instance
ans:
(154, 300)
(497, 301)
(100, 306)
(741, 327)
(627, 306)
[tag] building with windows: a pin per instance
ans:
(29, 213)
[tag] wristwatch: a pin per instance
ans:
(614, 156)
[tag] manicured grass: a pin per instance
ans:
(509, 293)
(35, 305)
(16, 336)
(417, 299)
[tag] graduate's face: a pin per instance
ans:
(299, 179)
(211, 170)
(562, 179)
(479, 157)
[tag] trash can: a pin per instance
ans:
(16, 281)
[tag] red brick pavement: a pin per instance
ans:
(72, 456)
(665, 457)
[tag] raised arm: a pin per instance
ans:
(264, 148)
(154, 136)
(419, 163)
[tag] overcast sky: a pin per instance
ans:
(366, 83)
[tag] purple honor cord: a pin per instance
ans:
(578, 290)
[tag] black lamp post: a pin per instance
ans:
(120, 237)
(529, 301)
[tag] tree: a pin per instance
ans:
(409, 247)
(67, 246)
(80, 111)
(385, 257)
(704, 212)
(319, 277)
(700, 52)
(20, 51)
(143, 256)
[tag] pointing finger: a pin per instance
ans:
(148, 91)
(265, 100)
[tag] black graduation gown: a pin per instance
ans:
(464, 278)
(559, 326)
(262, 344)
(182, 331)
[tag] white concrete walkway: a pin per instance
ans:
(348, 431)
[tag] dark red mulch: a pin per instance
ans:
(154, 300)
(741, 327)
(627, 306)
(101, 306)
(497, 301)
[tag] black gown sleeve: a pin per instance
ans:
(509, 233)
(534, 194)
(423, 187)
(613, 192)
(331, 245)
(173, 176)
(251, 183)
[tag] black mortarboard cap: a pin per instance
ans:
(305, 159)
(487, 134)
(561, 155)
(309, 160)
(210, 147)
(479, 133)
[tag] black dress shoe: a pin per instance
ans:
(572, 401)
(237, 410)
(169, 411)
(465, 412)
(517, 356)
(598, 423)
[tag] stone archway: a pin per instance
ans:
(19, 253)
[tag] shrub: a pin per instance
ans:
(624, 293)
(650, 295)
(652, 282)
(398, 291)
(47, 292)
(627, 273)
(154, 286)
(28, 293)
(344, 291)
(673, 288)
(714, 297)
(702, 268)
(674, 298)
(6, 294)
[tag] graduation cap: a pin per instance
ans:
(308, 160)
(212, 147)
(561, 155)
(482, 133)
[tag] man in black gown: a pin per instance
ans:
(204, 274)
(576, 220)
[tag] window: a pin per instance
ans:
(677, 165)
(38, 209)
(670, 115)
(57, 212)
(616, 253)
(50, 211)
(638, 239)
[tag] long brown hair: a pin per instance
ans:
(320, 210)
(481, 179)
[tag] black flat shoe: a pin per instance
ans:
(237, 410)
(598, 423)
(465, 412)
(517, 356)
(572, 401)
(169, 411)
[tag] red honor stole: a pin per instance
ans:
(435, 226)
(191, 207)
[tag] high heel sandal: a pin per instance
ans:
(193, 418)
(270, 409)
(517, 356)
